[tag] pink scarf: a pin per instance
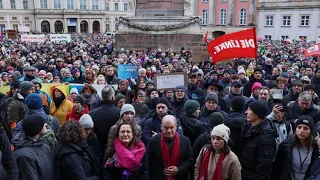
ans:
(129, 159)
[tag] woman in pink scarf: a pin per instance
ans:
(126, 161)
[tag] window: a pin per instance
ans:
(108, 19)
(43, 4)
(223, 0)
(95, 4)
(83, 4)
(25, 5)
(45, 26)
(305, 20)
(284, 37)
(70, 4)
(204, 17)
(26, 18)
(14, 18)
(223, 17)
(28, 25)
(267, 37)
(107, 27)
(286, 21)
(243, 17)
(204, 1)
(15, 26)
(2, 27)
(57, 4)
(116, 6)
(269, 20)
(1, 18)
(106, 6)
(1, 6)
(125, 6)
(13, 4)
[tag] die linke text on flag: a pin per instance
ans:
(235, 45)
(312, 51)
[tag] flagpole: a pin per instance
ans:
(255, 40)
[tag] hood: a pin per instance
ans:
(64, 89)
(21, 140)
(39, 112)
(68, 148)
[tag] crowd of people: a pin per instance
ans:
(249, 119)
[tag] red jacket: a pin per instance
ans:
(73, 115)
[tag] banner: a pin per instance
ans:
(170, 81)
(60, 38)
(127, 71)
(312, 51)
(23, 29)
(235, 45)
(12, 34)
(33, 38)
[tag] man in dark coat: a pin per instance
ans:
(105, 116)
(258, 145)
(255, 77)
(177, 101)
(235, 91)
(193, 90)
(293, 94)
(169, 153)
(316, 80)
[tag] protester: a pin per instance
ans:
(79, 108)
(177, 101)
(60, 106)
(46, 100)
(92, 99)
(211, 105)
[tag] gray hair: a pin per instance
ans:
(305, 96)
(107, 93)
(169, 117)
(142, 70)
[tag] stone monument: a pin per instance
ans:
(159, 24)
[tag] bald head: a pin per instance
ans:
(169, 126)
(169, 118)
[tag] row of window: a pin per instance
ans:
(286, 20)
(269, 37)
(223, 17)
(70, 5)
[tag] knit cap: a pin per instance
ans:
(305, 79)
(32, 125)
(191, 106)
(42, 72)
(163, 100)
(181, 88)
(215, 119)
(272, 84)
(141, 92)
(118, 97)
(79, 99)
(16, 74)
(212, 97)
(222, 131)
(34, 101)
(309, 86)
(86, 121)
(127, 108)
(306, 120)
(26, 85)
(259, 108)
(257, 69)
(255, 86)
(237, 104)
(15, 85)
(241, 71)
(74, 90)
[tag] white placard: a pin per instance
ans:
(60, 38)
(170, 81)
(23, 29)
(33, 38)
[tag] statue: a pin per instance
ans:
(132, 5)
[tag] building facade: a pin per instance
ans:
(289, 19)
(60, 16)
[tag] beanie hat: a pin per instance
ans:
(79, 99)
(75, 70)
(212, 97)
(191, 106)
(74, 90)
(32, 125)
(284, 74)
(257, 69)
(26, 85)
(241, 71)
(215, 119)
(222, 131)
(318, 69)
(272, 84)
(15, 85)
(306, 120)
(118, 97)
(163, 100)
(127, 108)
(16, 74)
(150, 91)
(297, 82)
(309, 86)
(305, 79)
(34, 101)
(237, 104)
(259, 108)
(86, 121)
(42, 72)
(141, 92)
(255, 86)
(181, 88)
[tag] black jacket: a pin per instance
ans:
(194, 91)
(76, 161)
(247, 87)
(178, 107)
(316, 82)
(289, 97)
(294, 111)
(257, 150)
(222, 103)
(155, 161)
(192, 127)
(94, 146)
(104, 117)
(282, 165)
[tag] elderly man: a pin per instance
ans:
(169, 153)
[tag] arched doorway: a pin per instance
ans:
(216, 34)
(58, 27)
(84, 26)
(96, 26)
(45, 27)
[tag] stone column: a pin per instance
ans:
(252, 11)
(90, 26)
(52, 30)
(211, 13)
(102, 26)
(231, 13)
(65, 25)
(78, 25)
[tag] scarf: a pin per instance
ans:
(173, 159)
(58, 100)
(205, 164)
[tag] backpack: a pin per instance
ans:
(50, 137)
(4, 115)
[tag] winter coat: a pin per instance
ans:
(34, 158)
(79, 80)
(229, 97)
(8, 160)
(234, 121)
(192, 127)
(17, 109)
(222, 103)
(315, 168)
(94, 146)
(177, 107)
(92, 101)
(155, 163)
(104, 117)
(194, 92)
(316, 82)
(247, 87)
(231, 167)
(204, 115)
(294, 111)
(73, 115)
(65, 107)
(76, 161)
(289, 97)
(283, 162)
(257, 150)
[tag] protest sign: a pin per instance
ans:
(200, 53)
(23, 29)
(60, 38)
(312, 51)
(277, 93)
(127, 71)
(33, 38)
(170, 81)
(11, 34)
(235, 45)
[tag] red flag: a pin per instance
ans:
(205, 38)
(313, 50)
(235, 45)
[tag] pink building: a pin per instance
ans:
(225, 16)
